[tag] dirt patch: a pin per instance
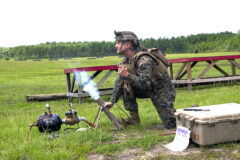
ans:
(96, 156)
(130, 154)
(154, 152)
(188, 151)
(123, 136)
(158, 150)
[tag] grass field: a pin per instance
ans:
(21, 78)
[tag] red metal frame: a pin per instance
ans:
(180, 60)
(214, 58)
(95, 68)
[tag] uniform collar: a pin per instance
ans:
(138, 49)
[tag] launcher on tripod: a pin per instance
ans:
(107, 112)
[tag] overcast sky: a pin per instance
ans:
(25, 22)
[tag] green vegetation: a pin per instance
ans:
(21, 78)
(219, 42)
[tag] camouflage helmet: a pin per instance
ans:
(127, 36)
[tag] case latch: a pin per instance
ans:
(212, 121)
(235, 118)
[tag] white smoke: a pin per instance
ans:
(90, 87)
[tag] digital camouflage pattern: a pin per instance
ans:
(127, 36)
(159, 89)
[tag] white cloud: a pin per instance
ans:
(32, 22)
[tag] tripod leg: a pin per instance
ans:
(98, 117)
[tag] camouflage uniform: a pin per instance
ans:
(160, 89)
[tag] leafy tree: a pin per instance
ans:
(214, 42)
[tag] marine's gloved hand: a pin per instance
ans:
(122, 70)
(108, 104)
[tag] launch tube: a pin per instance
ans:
(108, 113)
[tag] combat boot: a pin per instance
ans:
(132, 120)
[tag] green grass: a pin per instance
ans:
(21, 78)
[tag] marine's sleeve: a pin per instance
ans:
(117, 90)
(144, 66)
(118, 87)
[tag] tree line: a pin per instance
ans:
(214, 42)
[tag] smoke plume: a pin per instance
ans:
(90, 87)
